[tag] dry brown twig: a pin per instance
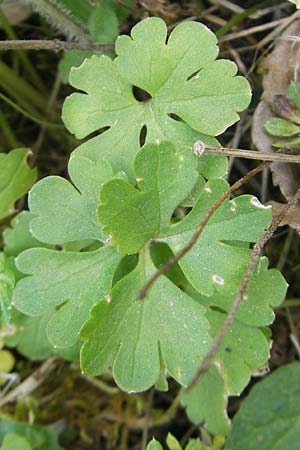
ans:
(199, 149)
(242, 290)
(31, 383)
(164, 268)
(54, 45)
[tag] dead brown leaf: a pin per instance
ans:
(282, 66)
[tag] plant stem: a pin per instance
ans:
(19, 89)
(251, 154)
(7, 131)
(242, 290)
(23, 57)
(29, 115)
(55, 45)
(61, 18)
(240, 17)
(164, 268)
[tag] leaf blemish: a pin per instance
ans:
(219, 280)
(258, 204)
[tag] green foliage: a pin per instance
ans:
(181, 77)
(268, 418)
(15, 179)
(15, 442)
(193, 444)
(7, 281)
(87, 246)
(140, 338)
(286, 127)
(35, 436)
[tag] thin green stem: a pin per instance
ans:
(290, 303)
(11, 34)
(61, 18)
(7, 131)
(240, 17)
(29, 115)
(20, 90)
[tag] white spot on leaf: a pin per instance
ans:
(258, 204)
(107, 298)
(218, 280)
(199, 148)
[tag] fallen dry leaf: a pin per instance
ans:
(282, 66)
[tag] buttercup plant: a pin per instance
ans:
(98, 238)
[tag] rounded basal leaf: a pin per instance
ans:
(137, 338)
(166, 89)
(76, 280)
(63, 212)
(16, 178)
(269, 418)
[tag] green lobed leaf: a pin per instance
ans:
(137, 338)
(132, 217)
(13, 441)
(207, 402)
(16, 178)
(256, 308)
(164, 179)
(281, 127)
(269, 417)
(7, 282)
(63, 212)
(294, 93)
(17, 237)
(206, 264)
(182, 78)
(29, 335)
(39, 437)
(243, 350)
(74, 280)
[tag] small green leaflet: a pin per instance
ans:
(15, 442)
(66, 213)
(17, 237)
(7, 282)
(154, 445)
(39, 437)
(167, 330)
(16, 178)
(164, 179)
(148, 210)
(183, 80)
(269, 417)
(294, 93)
(75, 280)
